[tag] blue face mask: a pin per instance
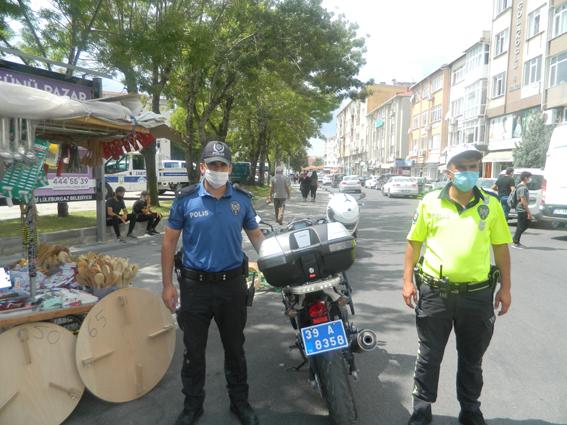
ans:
(465, 180)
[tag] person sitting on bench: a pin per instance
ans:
(113, 207)
(145, 213)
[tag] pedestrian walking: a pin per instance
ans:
(212, 279)
(505, 184)
(522, 208)
(279, 193)
(114, 206)
(314, 185)
(304, 186)
(456, 283)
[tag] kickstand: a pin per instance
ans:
(296, 368)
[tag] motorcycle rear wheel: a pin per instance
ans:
(336, 389)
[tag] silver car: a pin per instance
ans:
(350, 184)
(400, 186)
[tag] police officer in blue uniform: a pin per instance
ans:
(211, 215)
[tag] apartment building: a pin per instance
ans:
(352, 144)
(468, 97)
(428, 132)
(330, 158)
(516, 76)
(555, 95)
(387, 135)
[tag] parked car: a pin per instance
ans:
(420, 184)
(362, 180)
(439, 183)
(320, 177)
(400, 186)
(371, 182)
(382, 179)
(535, 186)
(350, 184)
(486, 185)
(337, 179)
(327, 179)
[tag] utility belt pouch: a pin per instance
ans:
(494, 276)
(444, 287)
(418, 273)
(418, 276)
(178, 264)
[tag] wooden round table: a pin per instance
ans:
(39, 382)
(125, 345)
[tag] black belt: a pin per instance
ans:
(458, 288)
(210, 277)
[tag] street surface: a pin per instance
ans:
(524, 368)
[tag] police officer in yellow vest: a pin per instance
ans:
(456, 283)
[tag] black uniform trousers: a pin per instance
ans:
(521, 226)
(472, 315)
(152, 220)
(224, 301)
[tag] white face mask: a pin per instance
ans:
(216, 178)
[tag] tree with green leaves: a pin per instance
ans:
(307, 46)
(318, 161)
(532, 151)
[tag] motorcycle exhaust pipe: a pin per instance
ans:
(365, 341)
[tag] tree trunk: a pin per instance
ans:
(62, 209)
(254, 154)
(262, 125)
(192, 173)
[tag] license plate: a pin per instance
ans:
(562, 212)
(406, 191)
(324, 337)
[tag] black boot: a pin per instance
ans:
(189, 417)
(245, 413)
(421, 418)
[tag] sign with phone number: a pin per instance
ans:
(71, 183)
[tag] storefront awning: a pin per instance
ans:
(498, 156)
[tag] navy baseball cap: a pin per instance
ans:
(217, 151)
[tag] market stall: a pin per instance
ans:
(50, 283)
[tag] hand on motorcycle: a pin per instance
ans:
(409, 291)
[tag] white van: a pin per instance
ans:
(535, 186)
(129, 171)
(554, 202)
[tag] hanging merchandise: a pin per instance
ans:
(5, 151)
(20, 179)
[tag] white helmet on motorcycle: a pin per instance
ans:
(343, 208)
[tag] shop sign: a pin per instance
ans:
(379, 122)
(410, 163)
(400, 163)
(57, 88)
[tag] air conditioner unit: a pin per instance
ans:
(551, 115)
(430, 96)
(421, 152)
(453, 120)
(392, 113)
(428, 127)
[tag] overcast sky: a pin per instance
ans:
(410, 39)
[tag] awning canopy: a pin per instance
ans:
(498, 156)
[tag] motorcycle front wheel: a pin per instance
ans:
(336, 389)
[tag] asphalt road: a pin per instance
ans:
(524, 368)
